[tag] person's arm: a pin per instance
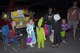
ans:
(28, 30)
(79, 16)
(61, 27)
(66, 28)
(45, 18)
(68, 16)
(44, 35)
(34, 25)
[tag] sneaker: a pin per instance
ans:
(53, 46)
(64, 41)
(32, 46)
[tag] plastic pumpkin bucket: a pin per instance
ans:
(62, 34)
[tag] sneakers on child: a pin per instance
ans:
(64, 41)
(32, 46)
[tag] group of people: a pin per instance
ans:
(48, 28)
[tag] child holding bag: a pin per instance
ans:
(31, 39)
(64, 28)
(46, 30)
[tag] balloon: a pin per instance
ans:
(16, 19)
(57, 17)
(19, 11)
(14, 13)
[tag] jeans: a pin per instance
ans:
(50, 29)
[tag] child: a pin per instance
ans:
(11, 35)
(46, 30)
(64, 27)
(31, 39)
(5, 30)
(40, 34)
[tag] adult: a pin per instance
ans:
(73, 17)
(49, 19)
(56, 38)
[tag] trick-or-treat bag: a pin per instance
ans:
(62, 33)
(28, 40)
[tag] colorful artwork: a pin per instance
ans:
(19, 18)
(17, 13)
(14, 14)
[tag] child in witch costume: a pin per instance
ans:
(31, 39)
(40, 34)
(56, 29)
(64, 28)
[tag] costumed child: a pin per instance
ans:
(31, 39)
(5, 30)
(46, 30)
(56, 29)
(64, 28)
(11, 35)
(40, 34)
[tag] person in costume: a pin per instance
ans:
(5, 30)
(56, 29)
(40, 34)
(49, 19)
(31, 39)
(64, 28)
(11, 36)
(46, 30)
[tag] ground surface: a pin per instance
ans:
(73, 46)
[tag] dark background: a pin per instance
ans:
(39, 6)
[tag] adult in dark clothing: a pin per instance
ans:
(56, 29)
(49, 20)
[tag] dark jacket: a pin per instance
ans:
(49, 21)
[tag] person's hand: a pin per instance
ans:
(28, 33)
(21, 34)
(39, 27)
(45, 39)
(77, 22)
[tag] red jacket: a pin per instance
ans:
(9, 24)
(11, 34)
